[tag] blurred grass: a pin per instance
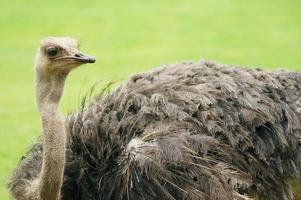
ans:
(128, 36)
(296, 185)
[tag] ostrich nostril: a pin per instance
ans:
(77, 55)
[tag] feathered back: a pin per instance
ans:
(190, 131)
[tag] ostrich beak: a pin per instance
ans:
(78, 58)
(84, 58)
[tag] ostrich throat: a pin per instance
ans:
(49, 89)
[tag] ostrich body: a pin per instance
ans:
(184, 131)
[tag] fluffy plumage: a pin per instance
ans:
(183, 131)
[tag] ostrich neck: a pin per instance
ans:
(49, 89)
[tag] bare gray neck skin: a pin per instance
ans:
(49, 89)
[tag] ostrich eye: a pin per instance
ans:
(52, 51)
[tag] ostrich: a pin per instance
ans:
(183, 131)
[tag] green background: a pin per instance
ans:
(128, 36)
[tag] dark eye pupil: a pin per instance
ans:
(52, 51)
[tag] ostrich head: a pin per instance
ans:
(55, 58)
(60, 54)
